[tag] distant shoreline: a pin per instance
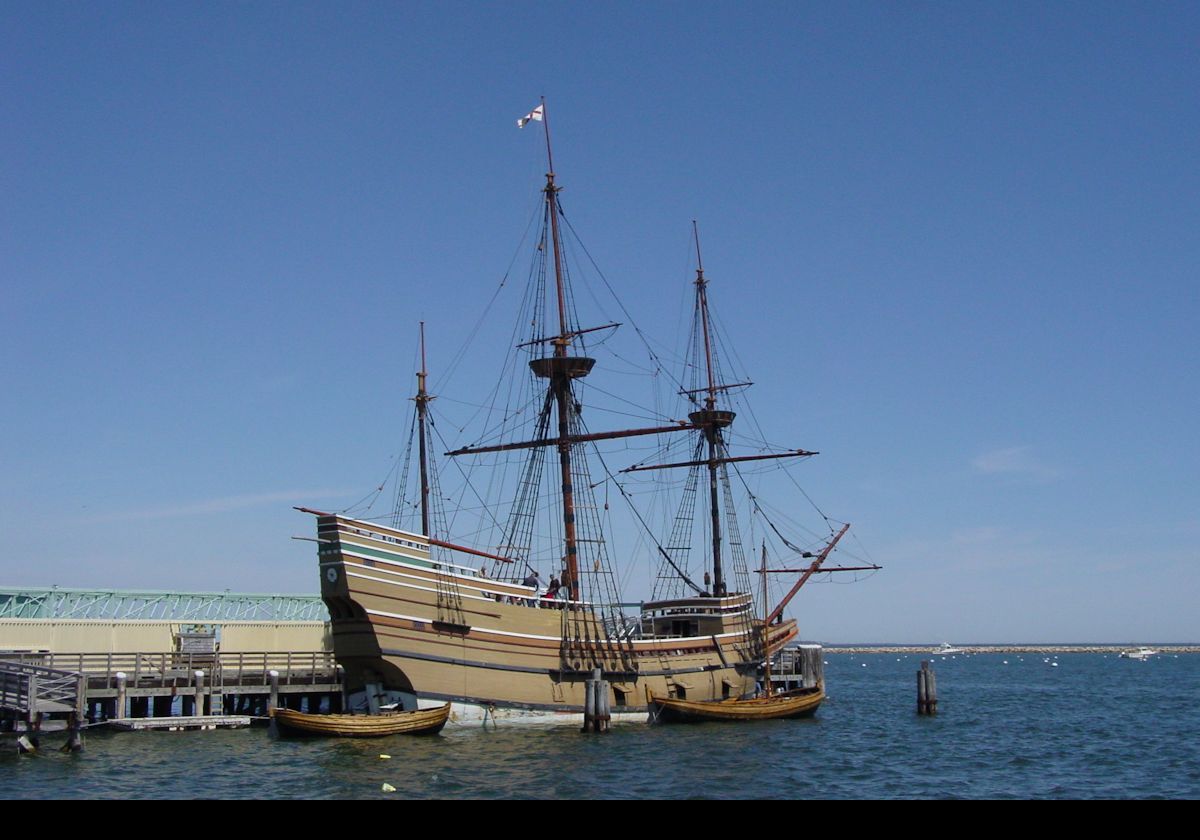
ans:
(1030, 649)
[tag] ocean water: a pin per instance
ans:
(1093, 726)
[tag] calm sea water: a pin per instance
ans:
(1093, 726)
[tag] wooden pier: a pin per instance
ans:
(797, 667)
(161, 690)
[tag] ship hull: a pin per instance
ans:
(403, 623)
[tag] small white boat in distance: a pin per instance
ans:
(1140, 653)
(948, 648)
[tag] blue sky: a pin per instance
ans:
(955, 244)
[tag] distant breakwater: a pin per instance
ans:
(1032, 650)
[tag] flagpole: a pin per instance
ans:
(546, 125)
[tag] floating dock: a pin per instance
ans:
(174, 724)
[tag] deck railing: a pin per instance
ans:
(26, 687)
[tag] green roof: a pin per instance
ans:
(126, 604)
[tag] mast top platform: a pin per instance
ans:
(570, 367)
(712, 418)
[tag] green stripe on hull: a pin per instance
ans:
(339, 547)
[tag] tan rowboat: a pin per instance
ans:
(421, 722)
(779, 707)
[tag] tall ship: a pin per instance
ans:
(506, 603)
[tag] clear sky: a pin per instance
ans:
(956, 243)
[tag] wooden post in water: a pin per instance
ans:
(199, 675)
(926, 690)
(75, 722)
(31, 741)
(597, 711)
(589, 701)
(921, 693)
(119, 711)
(607, 706)
(273, 703)
(603, 712)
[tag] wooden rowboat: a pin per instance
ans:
(420, 722)
(793, 704)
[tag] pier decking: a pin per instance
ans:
(129, 687)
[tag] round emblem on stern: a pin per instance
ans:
(331, 574)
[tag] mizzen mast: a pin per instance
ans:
(428, 476)
(422, 400)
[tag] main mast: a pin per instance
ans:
(712, 420)
(560, 369)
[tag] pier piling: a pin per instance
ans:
(589, 705)
(199, 683)
(603, 711)
(75, 721)
(74, 739)
(119, 711)
(926, 690)
(596, 710)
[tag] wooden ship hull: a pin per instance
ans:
(403, 623)
(778, 707)
(422, 722)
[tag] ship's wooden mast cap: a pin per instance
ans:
(712, 418)
(572, 367)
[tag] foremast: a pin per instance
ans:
(711, 453)
(711, 456)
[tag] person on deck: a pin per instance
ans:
(531, 579)
(552, 589)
